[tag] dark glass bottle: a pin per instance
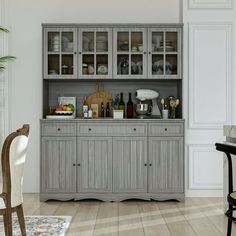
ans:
(130, 107)
(122, 104)
(108, 110)
(124, 65)
(102, 110)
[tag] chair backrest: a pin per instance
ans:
(13, 159)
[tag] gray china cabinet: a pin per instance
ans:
(109, 159)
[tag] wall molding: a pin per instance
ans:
(207, 26)
(207, 4)
(193, 184)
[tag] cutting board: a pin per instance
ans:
(98, 97)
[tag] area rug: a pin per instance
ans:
(40, 225)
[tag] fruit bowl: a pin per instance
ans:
(64, 112)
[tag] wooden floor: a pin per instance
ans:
(195, 216)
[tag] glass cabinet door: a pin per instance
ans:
(164, 53)
(130, 53)
(60, 53)
(95, 53)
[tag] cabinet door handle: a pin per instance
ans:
(144, 53)
(80, 53)
(74, 164)
(149, 53)
(150, 164)
(145, 164)
(78, 165)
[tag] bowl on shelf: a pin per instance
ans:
(170, 49)
(158, 67)
(102, 69)
(134, 49)
(159, 49)
(63, 112)
(53, 72)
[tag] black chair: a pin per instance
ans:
(228, 150)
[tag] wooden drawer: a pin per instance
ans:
(127, 129)
(58, 129)
(136, 129)
(166, 129)
(93, 129)
(111, 129)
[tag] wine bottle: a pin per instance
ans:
(122, 104)
(85, 108)
(102, 110)
(108, 110)
(130, 107)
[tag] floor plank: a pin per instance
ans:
(192, 217)
(175, 220)
(130, 222)
(107, 222)
(152, 220)
(83, 223)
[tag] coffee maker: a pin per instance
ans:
(147, 107)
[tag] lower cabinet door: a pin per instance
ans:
(58, 170)
(130, 164)
(94, 157)
(166, 165)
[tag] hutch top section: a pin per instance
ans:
(112, 51)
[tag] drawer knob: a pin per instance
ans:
(134, 129)
(145, 164)
(150, 164)
(74, 164)
(165, 129)
(89, 129)
(78, 165)
(58, 129)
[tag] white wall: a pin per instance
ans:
(209, 69)
(24, 19)
(3, 83)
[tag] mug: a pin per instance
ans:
(140, 47)
(165, 114)
(90, 69)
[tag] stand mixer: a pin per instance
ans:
(145, 109)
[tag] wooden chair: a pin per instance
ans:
(13, 159)
(229, 150)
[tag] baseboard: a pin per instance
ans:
(204, 193)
